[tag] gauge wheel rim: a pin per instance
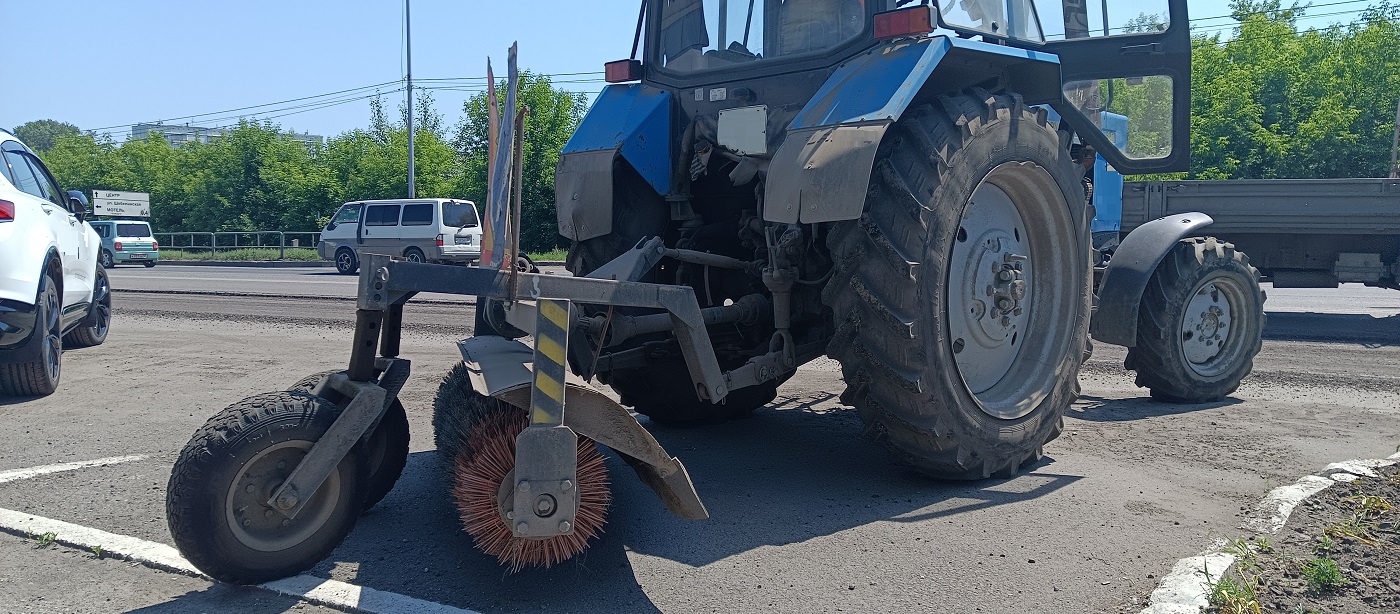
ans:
(1207, 335)
(263, 528)
(1007, 317)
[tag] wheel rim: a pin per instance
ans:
(106, 260)
(414, 255)
(53, 339)
(1011, 293)
(103, 304)
(262, 528)
(1209, 342)
(345, 261)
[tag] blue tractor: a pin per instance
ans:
(907, 188)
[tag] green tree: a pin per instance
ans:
(41, 134)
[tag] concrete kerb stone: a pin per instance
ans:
(1186, 590)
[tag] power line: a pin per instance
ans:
(256, 106)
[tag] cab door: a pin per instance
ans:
(1130, 58)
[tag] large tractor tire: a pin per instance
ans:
(216, 501)
(662, 391)
(1200, 323)
(961, 295)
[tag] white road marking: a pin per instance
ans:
(318, 591)
(23, 474)
(1186, 589)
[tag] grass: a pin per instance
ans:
(554, 255)
(45, 540)
(301, 254)
(1323, 575)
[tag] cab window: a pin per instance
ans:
(348, 214)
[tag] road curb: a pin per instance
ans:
(1186, 590)
(257, 264)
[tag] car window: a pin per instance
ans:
(133, 230)
(418, 214)
(101, 229)
(46, 182)
(348, 214)
(382, 215)
(459, 215)
(24, 175)
(5, 171)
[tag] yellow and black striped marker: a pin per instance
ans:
(551, 348)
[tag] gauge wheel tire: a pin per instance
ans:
(1200, 323)
(216, 499)
(346, 262)
(40, 377)
(93, 331)
(414, 254)
(387, 446)
(663, 390)
(108, 261)
(951, 390)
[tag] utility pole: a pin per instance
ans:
(408, 47)
(1395, 145)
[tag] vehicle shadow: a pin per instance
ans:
(1103, 409)
(795, 471)
(225, 598)
(1363, 329)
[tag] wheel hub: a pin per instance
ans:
(989, 288)
(266, 528)
(1206, 328)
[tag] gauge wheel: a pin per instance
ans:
(346, 262)
(1200, 323)
(387, 446)
(216, 501)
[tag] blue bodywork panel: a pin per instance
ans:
(636, 120)
(882, 83)
(1108, 183)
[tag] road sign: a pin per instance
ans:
(124, 204)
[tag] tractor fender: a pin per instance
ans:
(629, 122)
(502, 368)
(1128, 272)
(821, 171)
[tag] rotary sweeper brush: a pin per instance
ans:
(899, 186)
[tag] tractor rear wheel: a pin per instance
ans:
(961, 295)
(1200, 323)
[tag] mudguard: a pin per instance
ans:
(822, 169)
(629, 121)
(501, 368)
(1129, 270)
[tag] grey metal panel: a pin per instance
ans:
(1128, 272)
(821, 174)
(583, 193)
(1278, 206)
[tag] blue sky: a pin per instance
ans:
(105, 64)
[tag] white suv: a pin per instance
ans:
(52, 293)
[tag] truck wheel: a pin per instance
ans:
(346, 263)
(39, 378)
(387, 446)
(1200, 323)
(216, 502)
(93, 330)
(961, 295)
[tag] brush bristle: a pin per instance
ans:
(482, 462)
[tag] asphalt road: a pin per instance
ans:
(806, 516)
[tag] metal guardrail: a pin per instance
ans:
(215, 242)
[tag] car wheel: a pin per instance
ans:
(414, 254)
(150, 264)
(94, 328)
(40, 377)
(345, 261)
(107, 260)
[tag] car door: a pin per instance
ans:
(381, 229)
(1130, 58)
(33, 179)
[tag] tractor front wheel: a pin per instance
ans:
(1200, 323)
(961, 295)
